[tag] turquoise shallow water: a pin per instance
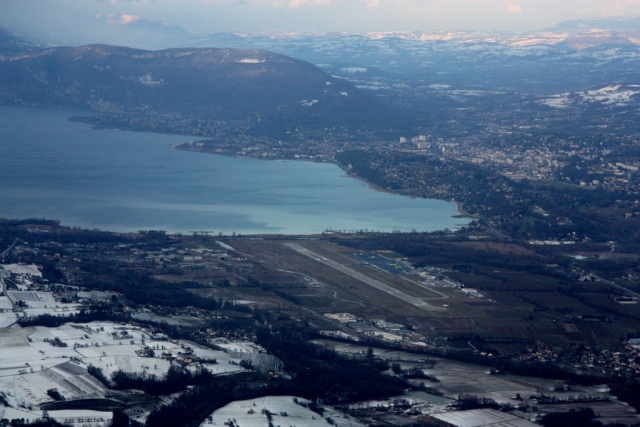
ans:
(128, 181)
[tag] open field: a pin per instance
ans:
(456, 378)
(74, 418)
(38, 359)
(473, 298)
(279, 410)
(305, 277)
(352, 284)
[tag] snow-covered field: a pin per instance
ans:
(613, 95)
(38, 303)
(37, 359)
(5, 303)
(22, 269)
(76, 418)
(610, 95)
(239, 346)
(7, 319)
(283, 410)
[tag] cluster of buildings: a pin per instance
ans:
(379, 330)
(570, 159)
(621, 362)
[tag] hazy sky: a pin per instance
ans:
(208, 16)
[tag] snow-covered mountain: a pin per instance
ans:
(569, 57)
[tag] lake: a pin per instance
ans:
(129, 181)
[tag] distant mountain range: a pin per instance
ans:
(359, 81)
(248, 86)
(137, 32)
(574, 55)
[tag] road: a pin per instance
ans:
(8, 319)
(619, 287)
(6, 251)
(3, 286)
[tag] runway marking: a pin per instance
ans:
(363, 278)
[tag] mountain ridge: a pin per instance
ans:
(198, 83)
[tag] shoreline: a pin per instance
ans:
(463, 213)
(459, 206)
(186, 146)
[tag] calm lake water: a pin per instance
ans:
(129, 181)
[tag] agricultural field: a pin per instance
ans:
(36, 360)
(419, 298)
(278, 410)
(68, 417)
(449, 379)
(308, 278)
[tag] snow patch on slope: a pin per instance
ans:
(148, 80)
(612, 95)
(250, 61)
(306, 103)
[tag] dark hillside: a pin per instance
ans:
(245, 86)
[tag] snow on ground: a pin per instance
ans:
(223, 368)
(76, 418)
(5, 303)
(483, 417)
(133, 364)
(609, 95)
(226, 361)
(557, 101)
(251, 61)
(57, 309)
(284, 411)
(29, 390)
(15, 352)
(82, 417)
(354, 70)
(7, 319)
(148, 80)
(207, 353)
(29, 269)
(239, 346)
(306, 103)
(32, 297)
(36, 359)
(38, 303)
(614, 95)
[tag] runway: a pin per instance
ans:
(364, 278)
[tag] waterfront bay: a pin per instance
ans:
(128, 181)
